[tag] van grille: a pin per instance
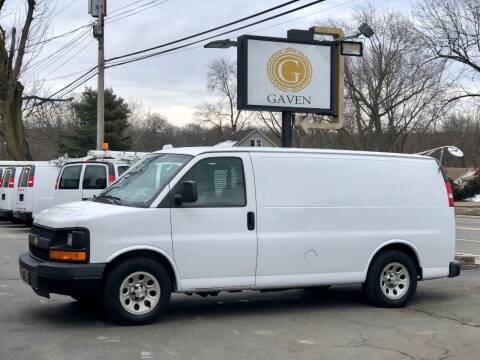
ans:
(41, 232)
(40, 251)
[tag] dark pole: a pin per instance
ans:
(287, 122)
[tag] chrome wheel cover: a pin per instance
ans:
(139, 293)
(394, 280)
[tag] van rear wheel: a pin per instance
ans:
(137, 292)
(391, 279)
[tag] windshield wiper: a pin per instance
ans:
(113, 199)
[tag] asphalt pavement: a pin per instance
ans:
(442, 321)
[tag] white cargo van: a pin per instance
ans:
(8, 190)
(204, 220)
(81, 180)
(36, 189)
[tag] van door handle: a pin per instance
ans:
(84, 199)
(251, 220)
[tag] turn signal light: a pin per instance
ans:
(68, 255)
(11, 182)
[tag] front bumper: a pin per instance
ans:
(454, 269)
(23, 215)
(46, 277)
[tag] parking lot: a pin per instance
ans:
(443, 321)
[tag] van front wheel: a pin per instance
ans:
(391, 279)
(137, 292)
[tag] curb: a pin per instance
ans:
(468, 261)
(468, 216)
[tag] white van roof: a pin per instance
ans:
(194, 151)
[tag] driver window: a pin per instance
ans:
(220, 182)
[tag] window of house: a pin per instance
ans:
(256, 142)
(70, 177)
(95, 177)
(220, 183)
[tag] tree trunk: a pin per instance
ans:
(11, 111)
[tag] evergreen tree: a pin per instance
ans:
(84, 135)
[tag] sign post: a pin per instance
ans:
(287, 128)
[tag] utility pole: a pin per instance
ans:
(101, 80)
(97, 8)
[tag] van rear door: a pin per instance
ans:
(95, 177)
(7, 174)
(24, 198)
(215, 237)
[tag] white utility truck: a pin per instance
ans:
(204, 220)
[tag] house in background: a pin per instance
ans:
(250, 138)
(460, 175)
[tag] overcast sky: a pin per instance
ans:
(172, 84)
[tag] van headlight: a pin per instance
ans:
(70, 245)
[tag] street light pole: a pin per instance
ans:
(101, 77)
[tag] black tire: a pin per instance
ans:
(378, 272)
(112, 297)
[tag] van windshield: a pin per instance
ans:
(142, 183)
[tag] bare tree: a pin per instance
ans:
(393, 90)
(450, 29)
(222, 81)
(272, 121)
(14, 47)
(11, 89)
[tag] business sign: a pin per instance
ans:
(276, 74)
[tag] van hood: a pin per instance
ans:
(80, 213)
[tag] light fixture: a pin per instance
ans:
(351, 48)
(220, 44)
(365, 30)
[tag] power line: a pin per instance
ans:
(58, 36)
(64, 8)
(90, 23)
(74, 81)
(210, 37)
(125, 6)
(52, 58)
(206, 31)
(141, 8)
(256, 31)
(74, 84)
(304, 16)
(71, 57)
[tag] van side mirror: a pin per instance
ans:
(188, 193)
